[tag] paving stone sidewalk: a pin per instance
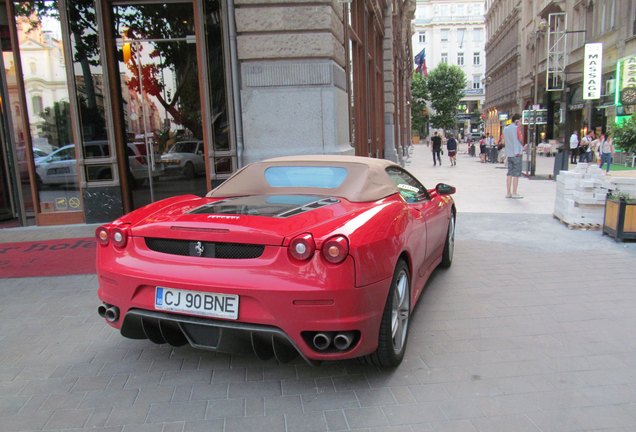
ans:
(531, 329)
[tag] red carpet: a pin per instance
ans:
(47, 258)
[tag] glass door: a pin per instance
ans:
(161, 106)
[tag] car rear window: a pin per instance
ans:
(324, 177)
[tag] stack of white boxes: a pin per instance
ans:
(580, 195)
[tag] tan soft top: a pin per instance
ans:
(366, 180)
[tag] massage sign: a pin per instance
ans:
(628, 81)
(592, 70)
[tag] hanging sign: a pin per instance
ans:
(592, 70)
(628, 81)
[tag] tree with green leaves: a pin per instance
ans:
(624, 135)
(419, 96)
(445, 85)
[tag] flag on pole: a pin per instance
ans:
(420, 62)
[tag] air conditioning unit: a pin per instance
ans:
(610, 86)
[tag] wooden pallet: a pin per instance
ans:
(580, 226)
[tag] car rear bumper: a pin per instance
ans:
(282, 306)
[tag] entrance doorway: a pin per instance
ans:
(160, 99)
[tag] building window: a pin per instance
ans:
(607, 15)
(460, 59)
(476, 59)
(476, 81)
(477, 35)
(36, 103)
(444, 58)
(444, 35)
(422, 37)
(366, 82)
(461, 33)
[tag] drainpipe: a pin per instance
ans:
(236, 90)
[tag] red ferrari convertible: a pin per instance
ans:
(322, 256)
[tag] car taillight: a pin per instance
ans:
(335, 249)
(103, 235)
(119, 237)
(302, 247)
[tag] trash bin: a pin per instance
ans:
(560, 162)
(493, 153)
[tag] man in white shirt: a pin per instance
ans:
(574, 145)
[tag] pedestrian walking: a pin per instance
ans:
(514, 148)
(490, 148)
(437, 148)
(606, 148)
(451, 146)
(574, 146)
(482, 149)
(585, 149)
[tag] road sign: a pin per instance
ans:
(528, 116)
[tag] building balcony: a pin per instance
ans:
(474, 92)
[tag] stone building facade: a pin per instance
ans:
(452, 31)
(232, 81)
(517, 58)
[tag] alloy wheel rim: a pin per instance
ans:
(400, 312)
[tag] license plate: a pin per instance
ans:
(197, 303)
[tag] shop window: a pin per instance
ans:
(103, 172)
(223, 165)
(49, 114)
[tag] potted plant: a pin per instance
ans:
(619, 219)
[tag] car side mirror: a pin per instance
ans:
(444, 189)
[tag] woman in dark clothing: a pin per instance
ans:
(451, 146)
(482, 149)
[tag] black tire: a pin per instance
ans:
(449, 246)
(188, 171)
(394, 327)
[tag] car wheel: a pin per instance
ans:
(449, 246)
(394, 327)
(188, 171)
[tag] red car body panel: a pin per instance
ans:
(275, 289)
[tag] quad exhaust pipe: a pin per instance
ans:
(322, 341)
(342, 341)
(109, 313)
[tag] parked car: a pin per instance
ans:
(322, 256)
(38, 154)
(60, 167)
(57, 168)
(185, 158)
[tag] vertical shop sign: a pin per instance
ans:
(626, 71)
(592, 70)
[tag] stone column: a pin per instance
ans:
(293, 81)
